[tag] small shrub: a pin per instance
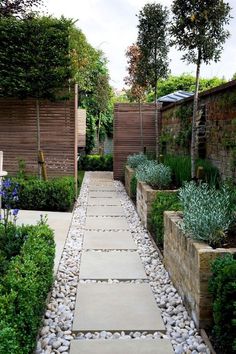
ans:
(133, 187)
(96, 163)
(181, 170)
(164, 201)
(57, 194)
(223, 289)
(23, 292)
(156, 175)
(136, 159)
(207, 212)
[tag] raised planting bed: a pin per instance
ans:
(129, 173)
(145, 197)
(189, 265)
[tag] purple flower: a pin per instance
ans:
(6, 183)
(15, 212)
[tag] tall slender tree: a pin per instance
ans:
(153, 44)
(198, 28)
(137, 91)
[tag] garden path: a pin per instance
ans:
(58, 221)
(109, 253)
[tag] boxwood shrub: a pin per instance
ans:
(164, 201)
(223, 289)
(57, 194)
(96, 163)
(23, 292)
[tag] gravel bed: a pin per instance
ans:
(56, 333)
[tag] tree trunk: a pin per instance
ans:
(156, 125)
(141, 124)
(98, 133)
(194, 120)
(38, 136)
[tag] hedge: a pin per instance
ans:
(96, 163)
(23, 292)
(164, 201)
(223, 289)
(57, 194)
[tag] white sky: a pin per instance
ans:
(111, 25)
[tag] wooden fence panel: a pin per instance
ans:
(18, 135)
(127, 133)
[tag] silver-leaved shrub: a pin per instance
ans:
(207, 212)
(136, 159)
(156, 175)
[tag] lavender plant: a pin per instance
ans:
(9, 195)
(154, 174)
(207, 212)
(136, 159)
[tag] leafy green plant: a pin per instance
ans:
(133, 187)
(135, 160)
(154, 174)
(223, 289)
(164, 201)
(57, 194)
(96, 163)
(23, 291)
(207, 212)
(181, 170)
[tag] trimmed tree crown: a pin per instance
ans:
(198, 27)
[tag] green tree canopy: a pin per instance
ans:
(34, 57)
(18, 8)
(184, 82)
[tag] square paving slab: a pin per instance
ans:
(124, 346)
(106, 223)
(104, 201)
(116, 307)
(124, 265)
(105, 211)
(96, 188)
(108, 240)
(102, 194)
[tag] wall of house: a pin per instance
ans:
(58, 131)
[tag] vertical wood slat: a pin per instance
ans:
(18, 135)
(127, 133)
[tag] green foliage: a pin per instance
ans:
(57, 194)
(184, 113)
(156, 175)
(153, 46)
(223, 289)
(207, 212)
(184, 82)
(96, 163)
(164, 201)
(181, 170)
(198, 28)
(133, 187)
(11, 241)
(41, 65)
(23, 292)
(136, 159)
(22, 8)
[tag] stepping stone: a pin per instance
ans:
(96, 188)
(105, 211)
(102, 194)
(106, 223)
(104, 201)
(116, 307)
(124, 346)
(111, 265)
(108, 240)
